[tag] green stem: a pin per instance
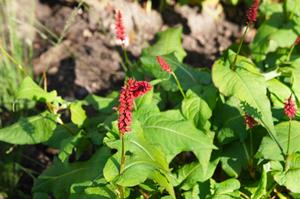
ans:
(246, 151)
(290, 52)
(288, 146)
(251, 143)
(122, 164)
(127, 61)
(233, 65)
(178, 85)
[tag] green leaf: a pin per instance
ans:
(230, 121)
(169, 41)
(30, 90)
(67, 146)
(59, 177)
(279, 92)
(30, 130)
(227, 189)
(261, 190)
(274, 33)
(196, 109)
(175, 136)
(94, 189)
(190, 174)
(102, 104)
(78, 115)
(291, 177)
(143, 160)
(233, 159)
(269, 150)
(245, 83)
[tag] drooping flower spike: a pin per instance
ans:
(252, 12)
(249, 121)
(290, 108)
(122, 39)
(129, 92)
(163, 64)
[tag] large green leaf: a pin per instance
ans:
(94, 189)
(279, 92)
(245, 83)
(68, 145)
(144, 161)
(30, 130)
(175, 136)
(59, 177)
(169, 41)
(30, 90)
(187, 76)
(268, 149)
(78, 114)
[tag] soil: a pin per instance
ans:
(87, 60)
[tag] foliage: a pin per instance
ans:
(193, 144)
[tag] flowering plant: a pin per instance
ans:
(227, 132)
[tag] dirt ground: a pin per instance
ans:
(86, 58)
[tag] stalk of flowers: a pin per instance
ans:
(166, 67)
(121, 37)
(130, 91)
(290, 111)
(296, 42)
(251, 18)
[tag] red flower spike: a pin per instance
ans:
(164, 65)
(249, 121)
(120, 29)
(290, 108)
(125, 108)
(129, 92)
(297, 41)
(252, 12)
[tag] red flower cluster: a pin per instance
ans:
(129, 92)
(164, 65)
(252, 12)
(290, 108)
(120, 29)
(249, 121)
(297, 41)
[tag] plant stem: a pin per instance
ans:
(233, 65)
(288, 146)
(251, 143)
(246, 151)
(290, 52)
(127, 61)
(178, 85)
(122, 164)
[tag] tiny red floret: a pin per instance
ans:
(249, 121)
(164, 65)
(252, 12)
(140, 88)
(290, 108)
